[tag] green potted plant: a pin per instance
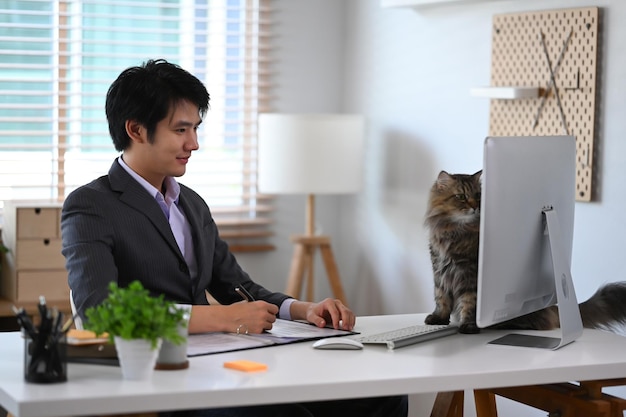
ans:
(131, 316)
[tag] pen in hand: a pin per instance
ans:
(244, 294)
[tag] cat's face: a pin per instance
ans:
(457, 196)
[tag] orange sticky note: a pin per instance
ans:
(246, 366)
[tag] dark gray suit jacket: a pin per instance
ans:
(114, 230)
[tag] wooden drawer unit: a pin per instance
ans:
(34, 265)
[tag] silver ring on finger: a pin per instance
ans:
(240, 327)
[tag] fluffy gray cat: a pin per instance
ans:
(453, 221)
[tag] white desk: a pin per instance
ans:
(297, 372)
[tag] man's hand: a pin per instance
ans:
(328, 312)
(242, 317)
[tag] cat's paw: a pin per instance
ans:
(435, 319)
(469, 328)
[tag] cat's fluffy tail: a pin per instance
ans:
(606, 309)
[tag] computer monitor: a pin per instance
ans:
(526, 234)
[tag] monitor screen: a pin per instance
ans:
(526, 233)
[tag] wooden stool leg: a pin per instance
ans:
(448, 404)
(485, 403)
(294, 282)
(333, 273)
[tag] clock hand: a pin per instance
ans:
(550, 83)
(553, 81)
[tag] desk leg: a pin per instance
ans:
(566, 399)
(485, 402)
(132, 415)
(594, 388)
(448, 404)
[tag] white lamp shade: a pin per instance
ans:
(310, 153)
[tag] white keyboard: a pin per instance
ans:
(410, 335)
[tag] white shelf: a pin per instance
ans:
(506, 93)
(420, 3)
(412, 3)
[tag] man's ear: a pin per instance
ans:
(136, 131)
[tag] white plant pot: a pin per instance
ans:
(137, 358)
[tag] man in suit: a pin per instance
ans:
(139, 223)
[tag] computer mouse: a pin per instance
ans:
(338, 343)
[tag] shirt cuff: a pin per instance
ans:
(284, 311)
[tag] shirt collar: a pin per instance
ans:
(172, 188)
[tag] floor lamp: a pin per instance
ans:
(310, 154)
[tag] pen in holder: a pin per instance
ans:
(43, 362)
(45, 355)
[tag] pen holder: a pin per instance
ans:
(45, 361)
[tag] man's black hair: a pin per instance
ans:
(146, 94)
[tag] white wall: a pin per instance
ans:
(308, 66)
(410, 73)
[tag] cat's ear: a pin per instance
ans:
(443, 180)
(478, 175)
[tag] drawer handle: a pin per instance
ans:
(46, 242)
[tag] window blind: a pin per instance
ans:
(58, 58)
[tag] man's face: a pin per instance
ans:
(175, 138)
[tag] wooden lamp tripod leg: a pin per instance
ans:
(301, 266)
(303, 257)
(310, 282)
(296, 271)
(302, 262)
(333, 272)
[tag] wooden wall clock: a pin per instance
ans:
(555, 55)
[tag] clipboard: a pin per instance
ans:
(283, 332)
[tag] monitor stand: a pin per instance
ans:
(569, 313)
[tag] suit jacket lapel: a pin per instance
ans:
(135, 196)
(195, 224)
